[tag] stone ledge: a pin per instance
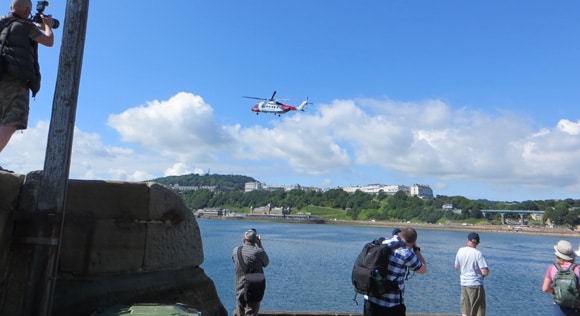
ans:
(322, 313)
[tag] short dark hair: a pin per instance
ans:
(409, 234)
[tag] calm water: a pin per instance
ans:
(310, 267)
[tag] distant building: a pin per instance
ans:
(269, 210)
(377, 188)
(447, 207)
(394, 188)
(421, 190)
(211, 188)
(184, 187)
(271, 188)
(252, 186)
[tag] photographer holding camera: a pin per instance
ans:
(249, 260)
(19, 68)
(406, 256)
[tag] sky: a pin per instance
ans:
(474, 98)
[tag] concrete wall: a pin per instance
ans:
(122, 243)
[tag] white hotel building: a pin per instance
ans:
(419, 190)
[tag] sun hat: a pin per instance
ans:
(396, 231)
(564, 250)
(473, 237)
(250, 235)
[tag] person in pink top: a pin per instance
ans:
(565, 257)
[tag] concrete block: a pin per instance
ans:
(104, 230)
(173, 235)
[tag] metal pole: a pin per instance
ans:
(51, 203)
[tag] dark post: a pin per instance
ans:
(51, 203)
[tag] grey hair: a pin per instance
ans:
(21, 4)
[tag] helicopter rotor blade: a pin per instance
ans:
(254, 98)
(273, 95)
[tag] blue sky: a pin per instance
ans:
(478, 99)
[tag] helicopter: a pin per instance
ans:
(274, 106)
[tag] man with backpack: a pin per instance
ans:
(19, 69)
(561, 280)
(473, 267)
(405, 255)
(250, 259)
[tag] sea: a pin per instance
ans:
(310, 267)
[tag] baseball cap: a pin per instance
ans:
(250, 235)
(474, 237)
(396, 231)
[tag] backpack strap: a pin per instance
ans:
(241, 260)
(559, 267)
(4, 24)
(4, 30)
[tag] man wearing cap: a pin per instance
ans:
(473, 267)
(255, 258)
(406, 256)
(396, 231)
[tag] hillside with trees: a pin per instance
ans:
(233, 182)
(336, 203)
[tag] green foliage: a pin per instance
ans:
(325, 212)
(233, 182)
(336, 203)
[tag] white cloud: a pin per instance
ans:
(569, 127)
(422, 140)
(181, 128)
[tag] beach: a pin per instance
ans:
(508, 229)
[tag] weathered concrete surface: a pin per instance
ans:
(9, 193)
(315, 313)
(122, 243)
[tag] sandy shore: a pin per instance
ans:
(507, 229)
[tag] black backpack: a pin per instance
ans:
(370, 270)
(255, 284)
(565, 286)
(4, 30)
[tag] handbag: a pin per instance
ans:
(255, 284)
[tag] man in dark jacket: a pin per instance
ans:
(19, 69)
(256, 258)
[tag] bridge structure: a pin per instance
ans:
(521, 213)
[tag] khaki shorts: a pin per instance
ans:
(14, 102)
(472, 300)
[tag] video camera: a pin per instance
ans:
(37, 18)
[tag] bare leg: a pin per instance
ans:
(5, 135)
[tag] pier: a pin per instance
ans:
(315, 313)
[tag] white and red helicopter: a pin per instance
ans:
(274, 106)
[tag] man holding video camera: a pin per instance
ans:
(19, 68)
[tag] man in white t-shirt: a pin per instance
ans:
(473, 267)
